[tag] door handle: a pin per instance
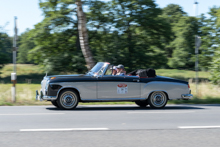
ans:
(136, 80)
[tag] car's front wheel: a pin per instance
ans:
(68, 99)
(157, 99)
(141, 103)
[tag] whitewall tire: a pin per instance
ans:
(157, 99)
(68, 99)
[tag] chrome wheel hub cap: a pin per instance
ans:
(158, 99)
(68, 100)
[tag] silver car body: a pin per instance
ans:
(98, 86)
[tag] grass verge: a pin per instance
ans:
(25, 95)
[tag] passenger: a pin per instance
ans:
(120, 70)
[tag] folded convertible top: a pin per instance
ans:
(144, 73)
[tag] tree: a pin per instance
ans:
(56, 38)
(210, 37)
(184, 43)
(5, 49)
(25, 43)
(135, 33)
(215, 48)
(172, 13)
(181, 47)
(215, 68)
(83, 36)
(130, 32)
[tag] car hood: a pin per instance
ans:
(68, 76)
(71, 78)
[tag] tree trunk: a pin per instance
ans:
(83, 36)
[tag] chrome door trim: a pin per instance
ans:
(113, 99)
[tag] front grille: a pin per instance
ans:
(44, 85)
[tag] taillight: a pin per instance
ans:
(188, 86)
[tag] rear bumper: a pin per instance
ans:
(41, 97)
(187, 96)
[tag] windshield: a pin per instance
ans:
(98, 69)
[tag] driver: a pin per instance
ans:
(114, 70)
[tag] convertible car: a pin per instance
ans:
(99, 85)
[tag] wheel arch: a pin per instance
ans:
(71, 88)
(166, 93)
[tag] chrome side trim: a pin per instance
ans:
(112, 99)
(187, 96)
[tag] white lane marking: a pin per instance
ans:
(164, 112)
(198, 127)
(32, 114)
(65, 129)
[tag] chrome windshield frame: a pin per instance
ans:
(104, 68)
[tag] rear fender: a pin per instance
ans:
(174, 90)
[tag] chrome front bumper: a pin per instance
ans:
(41, 97)
(187, 96)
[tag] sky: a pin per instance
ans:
(29, 13)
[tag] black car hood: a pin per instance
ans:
(67, 76)
(71, 78)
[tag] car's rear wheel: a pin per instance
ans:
(141, 103)
(157, 99)
(55, 103)
(68, 99)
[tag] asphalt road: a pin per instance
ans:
(113, 126)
